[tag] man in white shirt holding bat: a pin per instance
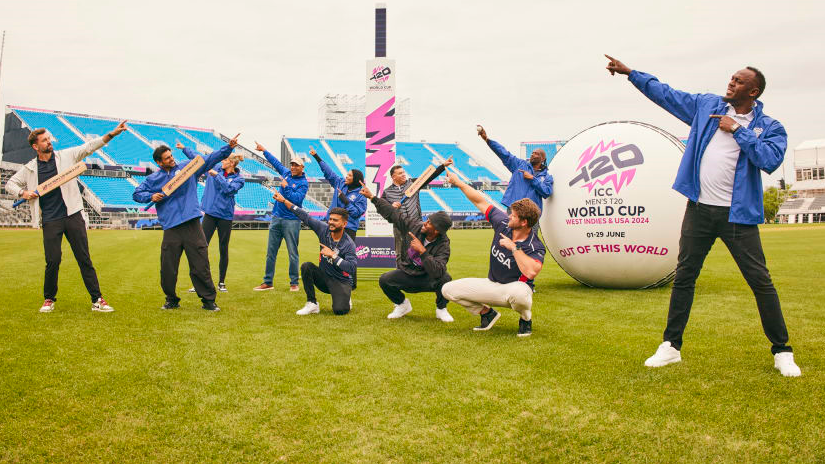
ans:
(59, 210)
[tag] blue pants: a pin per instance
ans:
(288, 230)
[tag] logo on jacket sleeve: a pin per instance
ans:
(758, 131)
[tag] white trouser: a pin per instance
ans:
(474, 294)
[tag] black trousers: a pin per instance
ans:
(187, 237)
(352, 234)
(701, 225)
(312, 276)
(74, 228)
(224, 226)
(397, 281)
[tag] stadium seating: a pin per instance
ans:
(355, 150)
(62, 135)
(248, 165)
(428, 203)
(817, 204)
(301, 148)
(112, 191)
(496, 196)
(416, 155)
(455, 199)
(463, 161)
(550, 148)
(164, 134)
(124, 149)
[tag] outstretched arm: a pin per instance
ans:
(334, 179)
(188, 152)
(387, 211)
(78, 153)
(282, 170)
(314, 224)
(472, 194)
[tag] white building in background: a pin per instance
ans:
(809, 183)
(342, 116)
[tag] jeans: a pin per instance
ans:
(288, 230)
(701, 225)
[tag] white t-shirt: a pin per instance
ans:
(718, 164)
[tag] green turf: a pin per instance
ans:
(255, 382)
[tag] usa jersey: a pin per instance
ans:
(503, 266)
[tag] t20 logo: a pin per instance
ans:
(380, 74)
(616, 167)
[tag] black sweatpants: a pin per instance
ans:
(187, 237)
(74, 228)
(312, 276)
(397, 281)
(224, 226)
(701, 225)
(352, 234)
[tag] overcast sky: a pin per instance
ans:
(530, 70)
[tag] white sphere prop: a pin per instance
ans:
(613, 220)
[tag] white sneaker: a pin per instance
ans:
(309, 308)
(443, 314)
(191, 290)
(400, 310)
(101, 306)
(784, 362)
(48, 306)
(665, 354)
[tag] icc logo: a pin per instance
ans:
(617, 167)
(380, 74)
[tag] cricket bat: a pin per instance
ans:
(423, 180)
(179, 178)
(54, 182)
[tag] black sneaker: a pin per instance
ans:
(525, 328)
(170, 305)
(221, 287)
(487, 320)
(210, 306)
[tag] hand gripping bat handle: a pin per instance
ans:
(22, 200)
(149, 206)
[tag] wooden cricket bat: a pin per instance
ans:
(423, 180)
(54, 182)
(179, 178)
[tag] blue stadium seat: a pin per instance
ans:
(112, 191)
(455, 199)
(209, 139)
(301, 148)
(166, 135)
(428, 203)
(416, 155)
(496, 195)
(355, 150)
(63, 136)
(462, 161)
(550, 148)
(123, 149)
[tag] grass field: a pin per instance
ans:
(255, 382)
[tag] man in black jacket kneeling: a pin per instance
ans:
(422, 264)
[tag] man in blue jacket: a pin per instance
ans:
(285, 224)
(218, 205)
(530, 178)
(731, 140)
(179, 215)
(347, 195)
(337, 261)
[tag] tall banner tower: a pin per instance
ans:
(380, 122)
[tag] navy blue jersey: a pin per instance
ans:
(344, 263)
(503, 266)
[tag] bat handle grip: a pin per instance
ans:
(405, 198)
(151, 204)
(18, 203)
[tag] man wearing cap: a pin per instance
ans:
(285, 224)
(424, 252)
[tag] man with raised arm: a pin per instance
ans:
(218, 205)
(337, 261)
(731, 140)
(422, 258)
(179, 215)
(284, 225)
(411, 208)
(516, 258)
(60, 211)
(530, 178)
(347, 195)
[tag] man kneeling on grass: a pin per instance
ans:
(516, 258)
(337, 260)
(422, 257)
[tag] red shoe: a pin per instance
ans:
(101, 306)
(263, 287)
(48, 306)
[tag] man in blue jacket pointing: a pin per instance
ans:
(731, 140)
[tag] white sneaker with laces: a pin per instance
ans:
(400, 310)
(309, 308)
(48, 306)
(443, 315)
(665, 354)
(786, 365)
(101, 306)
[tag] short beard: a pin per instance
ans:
(728, 100)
